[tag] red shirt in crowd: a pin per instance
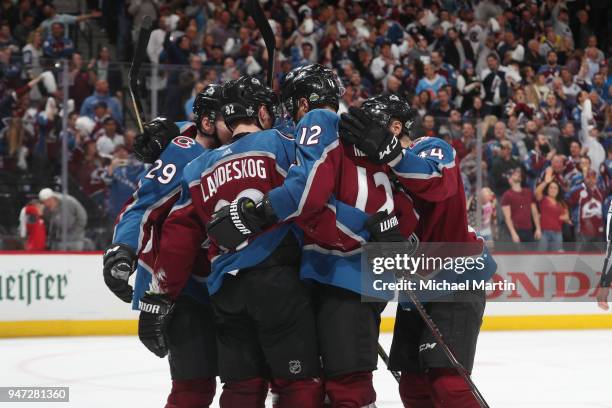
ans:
(520, 207)
(551, 211)
(34, 228)
(590, 210)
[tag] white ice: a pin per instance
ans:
(513, 370)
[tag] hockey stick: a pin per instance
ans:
(385, 358)
(449, 354)
(139, 54)
(263, 25)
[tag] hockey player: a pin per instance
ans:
(263, 313)
(189, 336)
(344, 322)
(606, 272)
(428, 170)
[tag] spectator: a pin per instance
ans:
(23, 30)
(56, 205)
(551, 69)
(554, 213)
(469, 86)
(52, 17)
(81, 80)
(101, 94)
(32, 226)
(122, 177)
(504, 164)
(57, 45)
(520, 211)
(431, 82)
(86, 167)
(457, 51)
(533, 57)
(383, 64)
(516, 136)
(442, 108)
(588, 199)
(495, 85)
(568, 135)
(488, 203)
(32, 53)
(108, 139)
(105, 70)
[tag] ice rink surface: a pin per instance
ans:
(513, 370)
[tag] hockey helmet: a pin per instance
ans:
(383, 108)
(206, 104)
(241, 99)
(319, 85)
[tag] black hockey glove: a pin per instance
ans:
(150, 144)
(377, 142)
(155, 314)
(384, 228)
(119, 263)
(233, 224)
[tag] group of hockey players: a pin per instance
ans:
(248, 250)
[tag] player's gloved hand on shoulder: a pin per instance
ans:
(384, 227)
(156, 135)
(235, 223)
(119, 263)
(376, 141)
(155, 314)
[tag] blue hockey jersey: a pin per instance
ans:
(139, 223)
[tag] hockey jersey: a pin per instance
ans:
(329, 174)
(429, 171)
(249, 167)
(139, 223)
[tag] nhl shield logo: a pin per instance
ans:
(295, 366)
(250, 111)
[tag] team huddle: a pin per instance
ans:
(246, 234)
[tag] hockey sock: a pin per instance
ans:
(196, 393)
(245, 393)
(306, 393)
(353, 390)
(414, 391)
(449, 389)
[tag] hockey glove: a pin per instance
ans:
(119, 263)
(155, 314)
(384, 228)
(377, 142)
(157, 134)
(235, 223)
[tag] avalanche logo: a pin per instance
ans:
(295, 366)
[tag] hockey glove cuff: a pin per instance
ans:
(155, 314)
(235, 223)
(119, 263)
(384, 228)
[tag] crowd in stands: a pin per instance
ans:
(530, 77)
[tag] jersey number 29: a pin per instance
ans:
(168, 171)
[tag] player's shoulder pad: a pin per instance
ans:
(187, 128)
(182, 149)
(323, 117)
(433, 148)
(317, 125)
